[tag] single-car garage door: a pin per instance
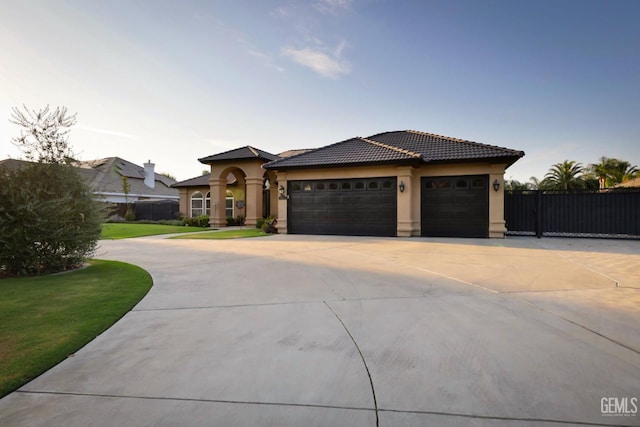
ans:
(455, 206)
(352, 207)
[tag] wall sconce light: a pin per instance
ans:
(496, 185)
(282, 196)
(401, 186)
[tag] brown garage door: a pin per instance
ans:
(455, 206)
(352, 207)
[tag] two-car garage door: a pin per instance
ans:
(451, 206)
(352, 207)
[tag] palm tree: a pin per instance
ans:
(564, 176)
(601, 171)
(623, 171)
(535, 183)
(613, 171)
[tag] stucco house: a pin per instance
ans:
(399, 183)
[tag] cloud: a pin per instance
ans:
(320, 61)
(106, 132)
(332, 6)
(266, 59)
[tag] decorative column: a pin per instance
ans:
(405, 190)
(185, 208)
(253, 203)
(497, 223)
(282, 202)
(218, 188)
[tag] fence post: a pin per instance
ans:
(538, 213)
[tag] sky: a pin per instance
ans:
(174, 81)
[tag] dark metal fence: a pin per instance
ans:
(610, 214)
(156, 210)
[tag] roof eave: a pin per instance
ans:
(509, 160)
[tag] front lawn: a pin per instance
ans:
(45, 319)
(226, 234)
(118, 230)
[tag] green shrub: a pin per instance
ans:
(231, 221)
(49, 221)
(260, 223)
(197, 221)
(240, 220)
(269, 225)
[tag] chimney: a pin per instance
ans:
(149, 175)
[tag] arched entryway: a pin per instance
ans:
(228, 194)
(239, 186)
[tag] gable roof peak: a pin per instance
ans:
(245, 152)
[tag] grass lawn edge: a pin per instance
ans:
(46, 319)
(242, 233)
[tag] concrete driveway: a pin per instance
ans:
(348, 331)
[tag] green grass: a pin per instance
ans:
(128, 230)
(227, 234)
(45, 319)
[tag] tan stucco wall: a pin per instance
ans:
(409, 201)
(185, 198)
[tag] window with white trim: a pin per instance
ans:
(229, 207)
(207, 204)
(196, 204)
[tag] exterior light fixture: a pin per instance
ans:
(496, 185)
(401, 186)
(282, 196)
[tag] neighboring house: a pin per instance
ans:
(104, 176)
(401, 183)
(632, 183)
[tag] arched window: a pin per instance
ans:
(196, 204)
(207, 204)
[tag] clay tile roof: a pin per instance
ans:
(198, 181)
(443, 148)
(246, 152)
(351, 152)
(408, 147)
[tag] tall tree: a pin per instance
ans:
(515, 185)
(44, 134)
(535, 183)
(565, 176)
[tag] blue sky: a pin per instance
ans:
(173, 81)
